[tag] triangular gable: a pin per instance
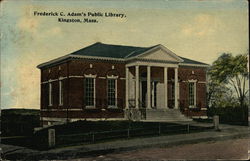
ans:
(160, 53)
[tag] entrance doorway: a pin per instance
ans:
(144, 94)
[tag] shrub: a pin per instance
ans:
(230, 115)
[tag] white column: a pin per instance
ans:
(137, 86)
(148, 87)
(175, 88)
(127, 84)
(166, 86)
(153, 94)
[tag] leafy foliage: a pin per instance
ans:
(229, 70)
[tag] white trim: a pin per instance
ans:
(192, 80)
(44, 82)
(54, 61)
(172, 54)
(102, 77)
(97, 57)
(90, 107)
(158, 64)
(196, 81)
(89, 76)
(112, 77)
(194, 65)
(204, 109)
(61, 78)
(76, 76)
(203, 82)
(122, 78)
(52, 80)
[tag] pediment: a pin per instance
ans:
(161, 53)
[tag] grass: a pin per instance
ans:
(81, 132)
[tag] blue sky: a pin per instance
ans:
(199, 30)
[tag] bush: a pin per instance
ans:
(19, 122)
(230, 115)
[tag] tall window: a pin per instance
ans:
(192, 93)
(60, 92)
(111, 92)
(89, 91)
(50, 94)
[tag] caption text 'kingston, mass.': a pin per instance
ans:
(76, 17)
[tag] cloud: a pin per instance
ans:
(26, 92)
(28, 24)
(55, 31)
(201, 25)
(36, 29)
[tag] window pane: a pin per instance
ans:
(111, 92)
(60, 92)
(191, 94)
(50, 94)
(89, 91)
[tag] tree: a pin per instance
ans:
(220, 95)
(231, 70)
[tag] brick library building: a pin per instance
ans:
(116, 82)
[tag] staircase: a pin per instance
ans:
(165, 115)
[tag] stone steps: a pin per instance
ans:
(166, 115)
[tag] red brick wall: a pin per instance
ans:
(195, 73)
(75, 94)
(185, 73)
(73, 88)
(53, 73)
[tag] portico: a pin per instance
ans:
(153, 76)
